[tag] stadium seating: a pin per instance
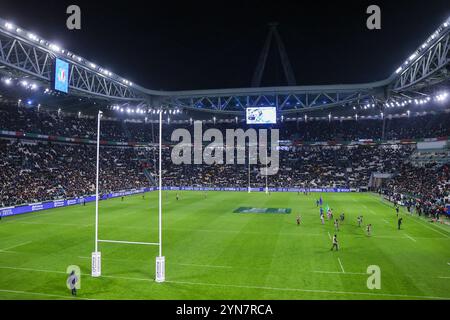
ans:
(34, 170)
(24, 119)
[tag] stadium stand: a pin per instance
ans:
(24, 119)
(33, 170)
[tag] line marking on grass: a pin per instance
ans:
(43, 294)
(306, 290)
(340, 263)
(83, 274)
(444, 277)
(339, 272)
(329, 235)
(416, 219)
(425, 225)
(15, 246)
(369, 209)
(203, 265)
(409, 237)
(4, 251)
(31, 269)
(386, 221)
(179, 264)
(244, 286)
(56, 224)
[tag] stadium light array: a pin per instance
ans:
(9, 26)
(56, 48)
(417, 53)
(441, 97)
(7, 81)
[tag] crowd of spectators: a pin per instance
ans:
(30, 120)
(425, 189)
(44, 171)
(306, 166)
(33, 171)
(37, 171)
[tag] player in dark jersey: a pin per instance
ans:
(360, 220)
(369, 229)
(399, 223)
(336, 225)
(72, 281)
(335, 243)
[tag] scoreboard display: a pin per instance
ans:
(261, 115)
(61, 76)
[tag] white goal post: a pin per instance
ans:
(96, 263)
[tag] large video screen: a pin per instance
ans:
(262, 115)
(61, 76)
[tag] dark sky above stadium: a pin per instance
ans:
(178, 45)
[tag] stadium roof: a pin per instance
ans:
(26, 59)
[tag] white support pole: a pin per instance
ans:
(160, 260)
(267, 184)
(96, 269)
(249, 187)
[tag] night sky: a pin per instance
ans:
(181, 45)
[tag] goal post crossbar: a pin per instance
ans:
(130, 242)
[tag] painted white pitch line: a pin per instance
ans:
(43, 294)
(339, 272)
(329, 235)
(425, 225)
(369, 209)
(444, 277)
(306, 290)
(31, 269)
(203, 265)
(410, 237)
(340, 263)
(179, 264)
(62, 272)
(17, 245)
(418, 220)
(4, 251)
(56, 224)
(252, 287)
(385, 221)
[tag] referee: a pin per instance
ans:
(72, 281)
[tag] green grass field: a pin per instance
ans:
(213, 253)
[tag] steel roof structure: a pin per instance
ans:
(24, 54)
